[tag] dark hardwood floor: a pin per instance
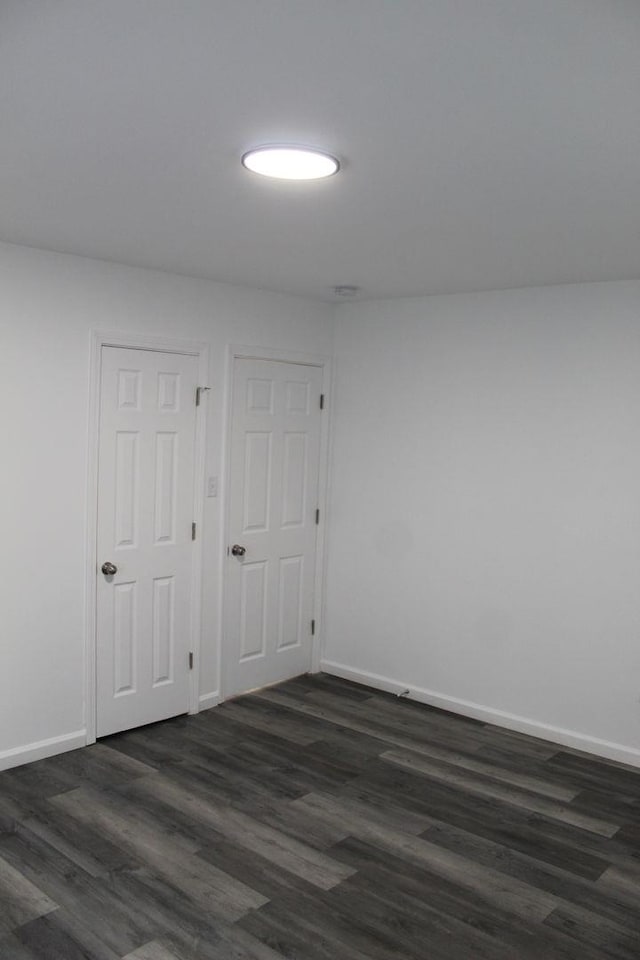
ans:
(320, 820)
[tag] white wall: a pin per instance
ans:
(49, 304)
(485, 512)
(485, 516)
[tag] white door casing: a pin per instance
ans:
(274, 461)
(146, 463)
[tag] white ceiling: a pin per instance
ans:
(485, 143)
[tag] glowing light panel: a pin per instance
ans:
(290, 163)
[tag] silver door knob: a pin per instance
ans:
(109, 569)
(237, 550)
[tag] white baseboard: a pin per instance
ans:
(42, 749)
(544, 731)
(207, 700)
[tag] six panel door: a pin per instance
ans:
(145, 511)
(275, 452)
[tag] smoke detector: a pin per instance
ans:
(346, 291)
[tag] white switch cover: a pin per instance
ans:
(212, 487)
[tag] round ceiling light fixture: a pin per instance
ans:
(290, 163)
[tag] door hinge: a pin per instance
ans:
(313, 628)
(318, 516)
(322, 401)
(199, 392)
(190, 661)
(193, 530)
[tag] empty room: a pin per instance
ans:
(320, 515)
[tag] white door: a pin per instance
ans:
(145, 513)
(275, 454)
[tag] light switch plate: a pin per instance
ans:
(212, 487)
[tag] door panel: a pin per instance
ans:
(294, 479)
(275, 453)
(163, 630)
(290, 601)
(125, 638)
(253, 596)
(256, 482)
(145, 511)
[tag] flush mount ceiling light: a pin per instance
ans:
(290, 163)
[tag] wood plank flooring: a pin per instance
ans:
(315, 820)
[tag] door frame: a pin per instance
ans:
(241, 352)
(157, 344)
